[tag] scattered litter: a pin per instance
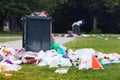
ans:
(62, 70)
(8, 76)
(85, 35)
(118, 38)
(86, 58)
(106, 38)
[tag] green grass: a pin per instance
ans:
(99, 44)
(110, 72)
(33, 72)
(6, 33)
(2, 40)
(9, 36)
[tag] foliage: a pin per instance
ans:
(110, 5)
(66, 11)
(49, 5)
(23, 7)
(11, 9)
(91, 11)
(95, 31)
(99, 6)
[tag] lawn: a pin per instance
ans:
(9, 36)
(6, 33)
(97, 43)
(110, 72)
(2, 40)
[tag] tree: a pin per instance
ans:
(15, 9)
(10, 9)
(95, 7)
(98, 6)
(3, 13)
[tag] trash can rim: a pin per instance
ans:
(38, 17)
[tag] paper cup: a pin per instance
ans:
(8, 75)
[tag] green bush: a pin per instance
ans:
(95, 31)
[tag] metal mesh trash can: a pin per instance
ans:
(37, 33)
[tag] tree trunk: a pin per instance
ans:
(15, 24)
(94, 22)
(2, 19)
(2, 23)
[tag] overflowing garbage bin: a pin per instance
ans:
(76, 27)
(37, 33)
(76, 30)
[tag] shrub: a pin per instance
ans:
(95, 31)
